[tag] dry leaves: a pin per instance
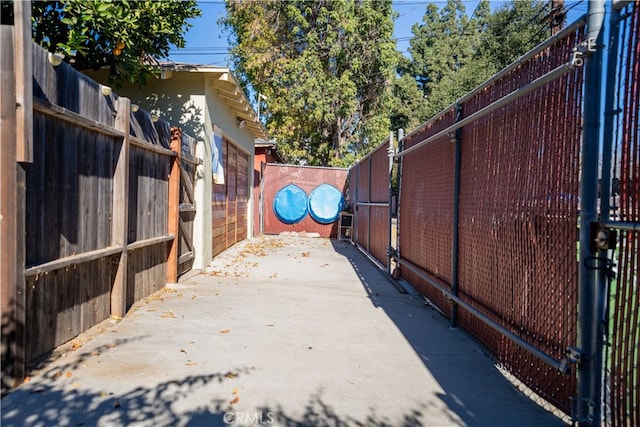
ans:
(306, 254)
(225, 331)
(168, 315)
(230, 375)
(235, 400)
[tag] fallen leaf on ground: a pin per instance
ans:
(114, 317)
(182, 350)
(75, 346)
(103, 393)
(305, 254)
(69, 374)
(191, 363)
(235, 390)
(57, 375)
(26, 379)
(230, 375)
(75, 384)
(235, 400)
(225, 331)
(168, 314)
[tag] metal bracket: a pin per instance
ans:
(573, 355)
(583, 49)
(602, 238)
(393, 253)
(391, 152)
(574, 411)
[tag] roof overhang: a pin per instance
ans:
(229, 90)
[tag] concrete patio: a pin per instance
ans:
(284, 331)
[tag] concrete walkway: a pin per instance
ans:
(285, 331)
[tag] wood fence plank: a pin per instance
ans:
(24, 80)
(173, 213)
(75, 118)
(121, 209)
(72, 260)
(11, 228)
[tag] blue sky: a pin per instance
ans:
(207, 43)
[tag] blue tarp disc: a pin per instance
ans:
(325, 203)
(290, 204)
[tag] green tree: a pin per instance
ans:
(452, 54)
(408, 106)
(326, 68)
(128, 37)
(514, 29)
(442, 47)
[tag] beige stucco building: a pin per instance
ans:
(203, 101)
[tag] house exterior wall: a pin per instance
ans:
(188, 100)
(219, 114)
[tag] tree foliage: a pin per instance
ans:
(326, 68)
(126, 36)
(451, 53)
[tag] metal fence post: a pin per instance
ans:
(456, 218)
(390, 153)
(591, 298)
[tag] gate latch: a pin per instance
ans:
(602, 238)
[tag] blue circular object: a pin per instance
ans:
(290, 204)
(325, 203)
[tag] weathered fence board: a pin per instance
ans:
(96, 229)
(64, 302)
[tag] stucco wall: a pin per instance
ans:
(188, 100)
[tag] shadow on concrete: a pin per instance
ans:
(54, 400)
(474, 388)
(318, 413)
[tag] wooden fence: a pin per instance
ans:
(103, 211)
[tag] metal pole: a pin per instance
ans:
(588, 405)
(263, 166)
(610, 113)
(560, 365)
(456, 218)
(397, 207)
(390, 152)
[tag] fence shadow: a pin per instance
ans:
(457, 363)
(50, 400)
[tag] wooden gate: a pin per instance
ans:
(182, 207)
